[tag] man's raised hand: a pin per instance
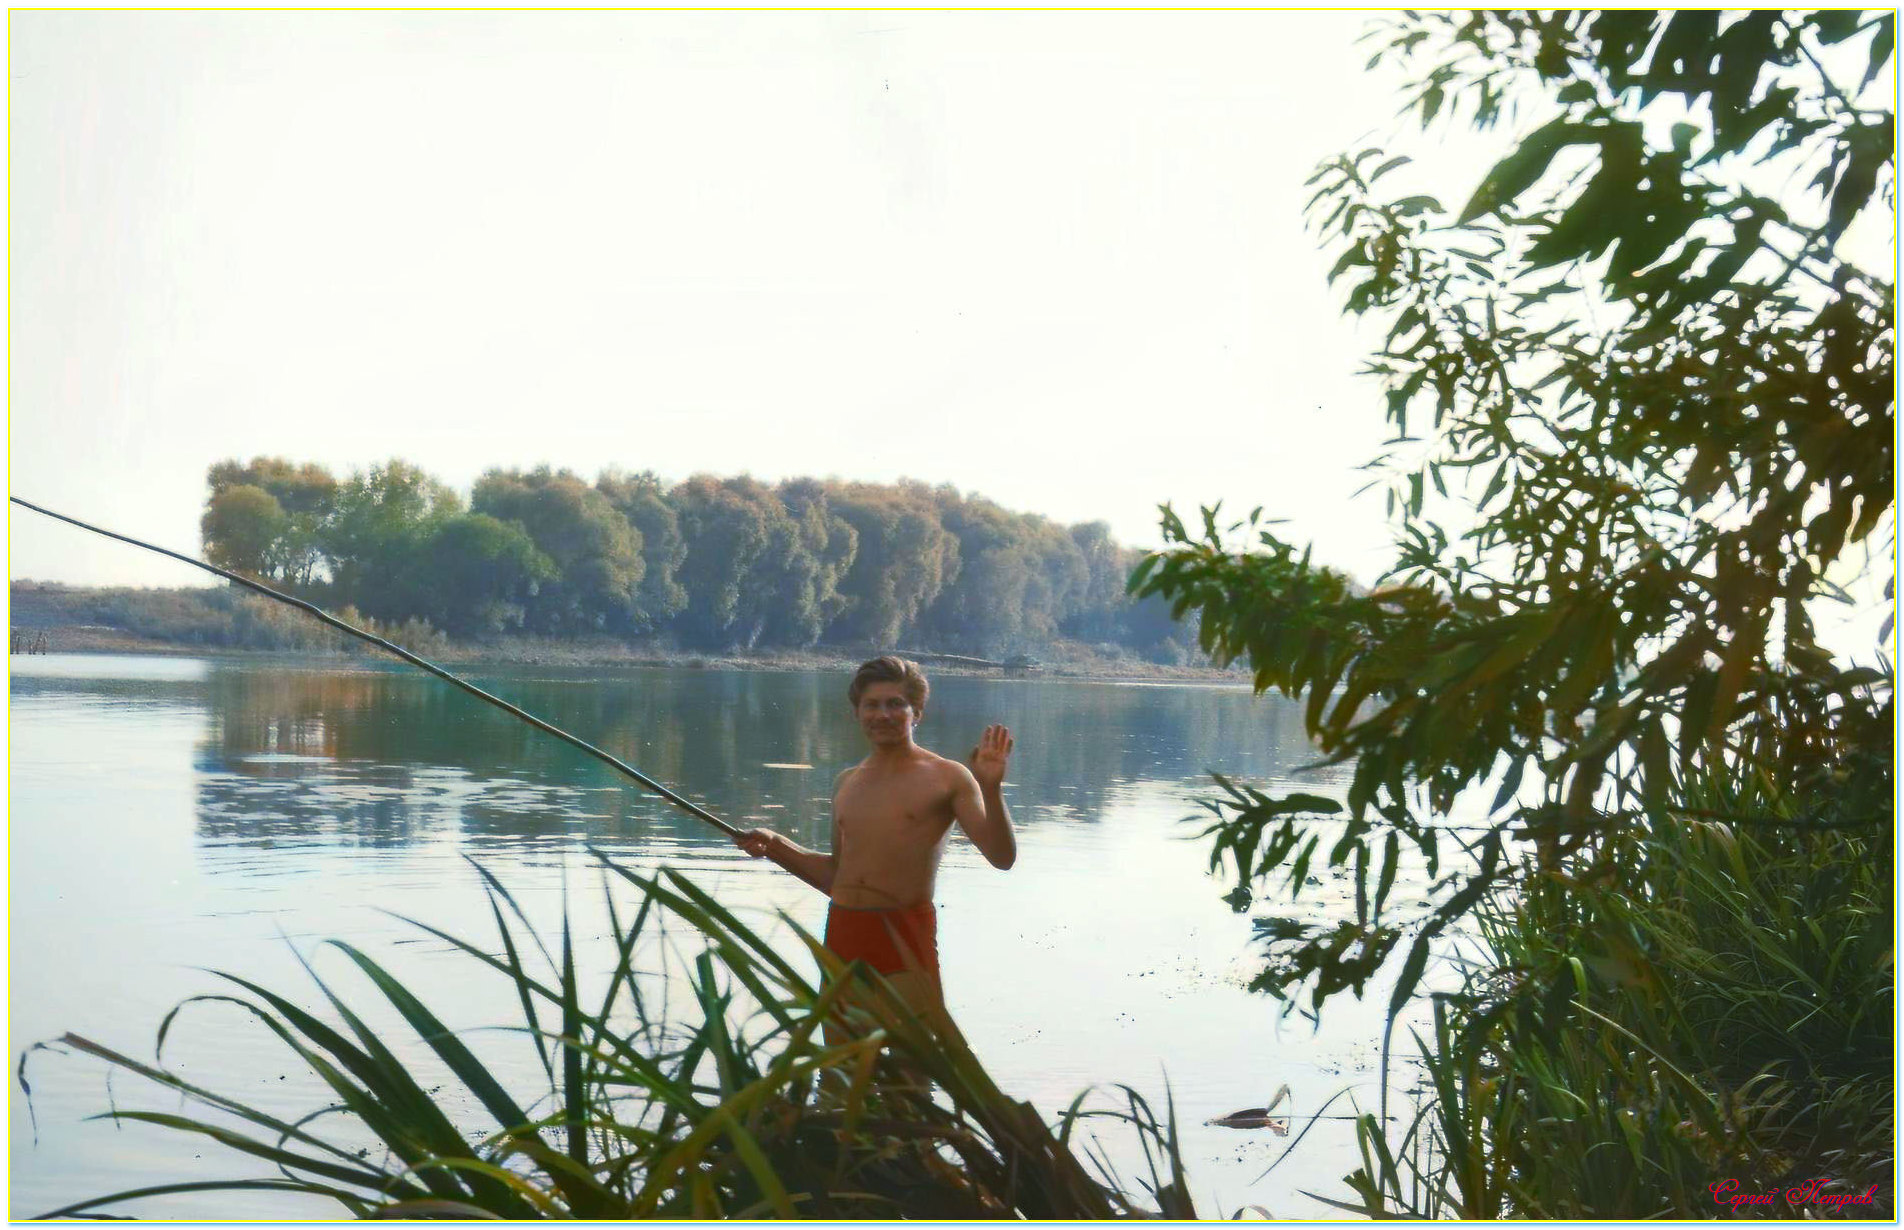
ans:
(990, 757)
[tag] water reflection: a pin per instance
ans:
(382, 759)
(174, 816)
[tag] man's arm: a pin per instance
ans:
(812, 866)
(978, 799)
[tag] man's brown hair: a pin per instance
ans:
(889, 669)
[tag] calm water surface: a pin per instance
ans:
(171, 816)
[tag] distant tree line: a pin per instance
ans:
(713, 563)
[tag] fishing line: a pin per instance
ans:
(620, 766)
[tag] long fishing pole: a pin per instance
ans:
(620, 766)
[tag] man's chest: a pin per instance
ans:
(912, 805)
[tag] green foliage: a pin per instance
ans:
(1721, 1013)
(717, 563)
(598, 565)
(414, 634)
(905, 558)
(299, 489)
(483, 573)
(1093, 616)
(728, 524)
(780, 1098)
(306, 495)
(1640, 412)
(992, 586)
(812, 551)
(642, 499)
(219, 618)
(241, 527)
(376, 539)
(1019, 577)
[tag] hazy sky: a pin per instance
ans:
(1057, 259)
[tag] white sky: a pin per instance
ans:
(1057, 259)
(1054, 258)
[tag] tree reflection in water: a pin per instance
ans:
(381, 758)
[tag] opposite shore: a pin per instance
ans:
(1064, 660)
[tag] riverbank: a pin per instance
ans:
(1066, 660)
(51, 618)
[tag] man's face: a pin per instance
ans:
(885, 714)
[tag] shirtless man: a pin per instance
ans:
(892, 813)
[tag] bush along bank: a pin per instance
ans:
(70, 619)
(1707, 1035)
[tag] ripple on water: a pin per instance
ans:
(1106, 956)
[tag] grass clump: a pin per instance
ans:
(1711, 1024)
(776, 1097)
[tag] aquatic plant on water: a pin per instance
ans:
(777, 1097)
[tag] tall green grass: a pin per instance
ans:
(771, 1095)
(1718, 1011)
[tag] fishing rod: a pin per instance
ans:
(620, 766)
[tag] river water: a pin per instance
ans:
(171, 816)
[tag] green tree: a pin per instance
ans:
(1020, 579)
(1642, 410)
(1060, 581)
(812, 549)
(903, 559)
(482, 574)
(241, 528)
(375, 540)
(996, 600)
(726, 529)
(1101, 599)
(642, 499)
(298, 489)
(776, 585)
(1149, 626)
(307, 493)
(597, 552)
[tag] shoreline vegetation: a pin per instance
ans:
(48, 617)
(543, 567)
(711, 564)
(1644, 422)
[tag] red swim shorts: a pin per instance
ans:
(890, 941)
